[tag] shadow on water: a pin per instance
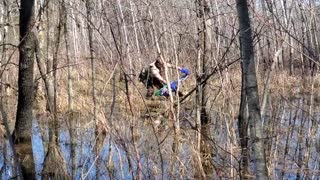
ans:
(85, 157)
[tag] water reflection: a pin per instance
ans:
(6, 161)
(37, 148)
(85, 157)
(287, 124)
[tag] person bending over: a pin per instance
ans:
(156, 79)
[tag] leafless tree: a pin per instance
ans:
(251, 96)
(23, 125)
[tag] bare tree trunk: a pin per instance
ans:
(3, 19)
(243, 131)
(54, 126)
(72, 115)
(49, 67)
(198, 100)
(126, 45)
(23, 125)
(72, 119)
(46, 78)
(3, 102)
(89, 8)
(66, 39)
(54, 166)
(138, 46)
(203, 93)
(75, 35)
(251, 90)
(17, 172)
(92, 59)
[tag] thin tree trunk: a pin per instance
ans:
(72, 115)
(54, 166)
(49, 72)
(243, 131)
(72, 120)
(138, 46)
(44, 76)
(198, 100)
(92, 59)
(251, 90)
(17, 172)
(126, 45)
(66, 38)
(203, 94)
(54, 133)
(3, 102)
(89, 8)
(75, 35)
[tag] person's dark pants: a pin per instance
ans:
(153, 83)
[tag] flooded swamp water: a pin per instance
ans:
(292, 141)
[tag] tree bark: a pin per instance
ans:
(89, 9)
(3, 103)
(202, 90)
(66, 38)
(50, 86)
(54, 167)
(251, 90)
(243, 131)
(23, 125)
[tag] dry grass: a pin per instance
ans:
(223, 104)
(55, 165)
